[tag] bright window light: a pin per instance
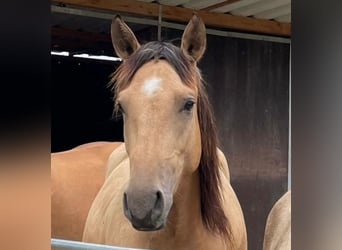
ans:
(87, 56)
(101, 57)
(60, 53)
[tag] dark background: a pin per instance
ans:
(82, 103)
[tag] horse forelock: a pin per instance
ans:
(212, 212)
(155, 50)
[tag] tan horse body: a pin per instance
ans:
(168, 186)
(278, 225)
(76, 177)
(189, 233)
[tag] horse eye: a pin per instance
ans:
(188, 105)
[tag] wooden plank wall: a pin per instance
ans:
(248, 82)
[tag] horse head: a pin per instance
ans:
(168, 128)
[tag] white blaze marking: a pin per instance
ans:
(151, 85)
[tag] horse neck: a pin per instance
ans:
(186, 208)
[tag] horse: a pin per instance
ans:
(172, 189)
(76, 177)
(278, 225)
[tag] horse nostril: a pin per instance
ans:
(158, 206)
(125, 206)
(159, 201)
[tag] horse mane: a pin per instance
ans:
(209, 169)
(212, 213)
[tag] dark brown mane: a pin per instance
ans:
(212, 212)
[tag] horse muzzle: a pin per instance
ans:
(145, 210)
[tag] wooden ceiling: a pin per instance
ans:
(246, 15)
(75, 29)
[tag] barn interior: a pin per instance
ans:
(246, 67)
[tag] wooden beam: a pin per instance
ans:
(184, 14)
(218, 5)
(76, 34)
(76, 41)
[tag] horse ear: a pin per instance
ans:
(123, 38)
(194, 40)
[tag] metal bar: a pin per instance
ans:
(289, 166)
(102, 15)
(159, 21)
(77, 245)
